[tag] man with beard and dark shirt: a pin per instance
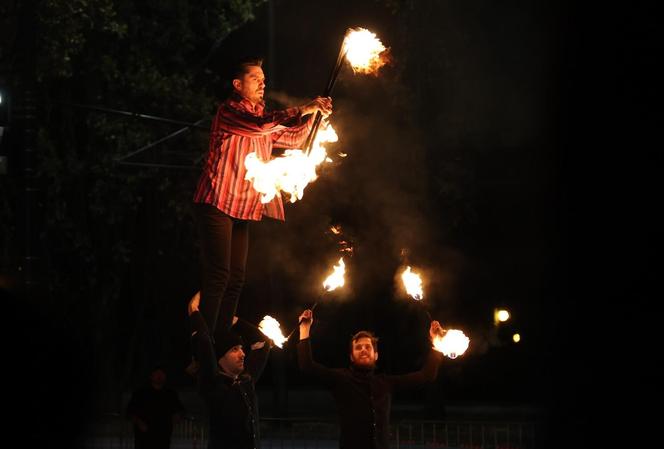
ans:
(227, 384)
(363, 397)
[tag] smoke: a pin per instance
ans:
(283, 99)
(379, 196)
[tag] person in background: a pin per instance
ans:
(154, 410)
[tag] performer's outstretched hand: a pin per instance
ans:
(436, 330)
(195, 302)
(306, 320)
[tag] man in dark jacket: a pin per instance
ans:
(363, 397)
(227, 384)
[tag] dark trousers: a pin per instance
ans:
(224, 242)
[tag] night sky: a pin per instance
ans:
(484, 81)
(502, 153)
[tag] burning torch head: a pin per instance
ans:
(364, 350)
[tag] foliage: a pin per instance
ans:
(104, 220)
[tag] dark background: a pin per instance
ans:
(505, 153)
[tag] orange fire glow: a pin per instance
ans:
(413, 284)
(364, 51)
(452, 344)
(290, 173)
(336, 279)
(271, 328)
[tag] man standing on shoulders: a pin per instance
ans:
(224, 202)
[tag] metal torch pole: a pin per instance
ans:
(328, 91)
(300, 322)
(428, 315)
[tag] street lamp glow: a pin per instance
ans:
(516, 338)
(500, 316)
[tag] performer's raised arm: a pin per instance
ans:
(429, 370)
(305, 358)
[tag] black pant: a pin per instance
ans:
(224, 242)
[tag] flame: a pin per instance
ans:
(364, 51)
(336, 230)
(452, 344)
(336, 279)
(412, 283)
(346, 247)
(290, 173)
(271, 328)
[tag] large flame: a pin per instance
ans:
(452, 344)
(364, 51)
(412, 283)
(336, 279)
(271, 328)
(290, 173)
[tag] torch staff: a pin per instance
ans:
(332, 282)
(300, 322)
(249, 323)
(428, 315)
(328, 91)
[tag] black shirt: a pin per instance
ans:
(363, 397)
(231, 403)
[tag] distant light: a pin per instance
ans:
(516, 338)
(0, 97)
(500, 316)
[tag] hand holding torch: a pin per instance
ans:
(364, 52)
(332, 282)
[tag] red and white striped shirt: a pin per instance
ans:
(237, 130)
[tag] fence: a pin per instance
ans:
(464, 434)
(112, 431)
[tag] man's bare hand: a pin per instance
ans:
(318, 104)
(257, 345)
(194, 303)
(436, 330)
(307, 318)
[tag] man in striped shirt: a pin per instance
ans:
(224, 202)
